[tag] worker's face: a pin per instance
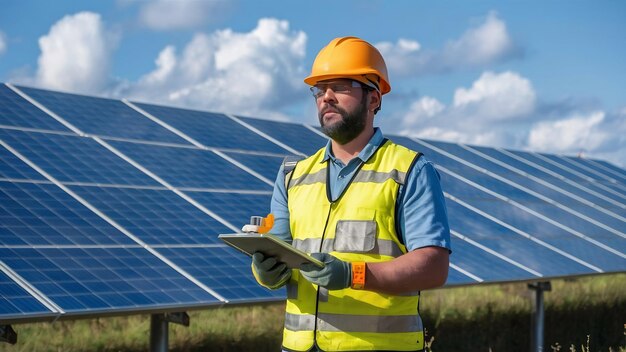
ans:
(342, 109)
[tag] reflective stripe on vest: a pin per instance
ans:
(354, 323)
(311, 245)
(358, 226)
(362, 176)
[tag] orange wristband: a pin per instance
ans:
(358, 275)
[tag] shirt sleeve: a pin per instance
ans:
(422, 209)
(279, 208)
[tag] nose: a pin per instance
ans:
(329, 95)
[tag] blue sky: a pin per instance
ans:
(532, 75)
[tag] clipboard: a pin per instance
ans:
(269, 245)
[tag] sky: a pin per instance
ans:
(545, 76)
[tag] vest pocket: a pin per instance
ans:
(355, 236)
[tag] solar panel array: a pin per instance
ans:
(111, 207)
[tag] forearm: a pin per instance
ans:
(421, 269)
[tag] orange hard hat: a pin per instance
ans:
(353, 58)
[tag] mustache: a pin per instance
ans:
(328, 108)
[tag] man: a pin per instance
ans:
(371, 210)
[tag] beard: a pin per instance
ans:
(349, 127)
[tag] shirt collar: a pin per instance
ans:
(367, 151)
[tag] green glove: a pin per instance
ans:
(335, 275)
(269, 272)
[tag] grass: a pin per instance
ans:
(585, 314)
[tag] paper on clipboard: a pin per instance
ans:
(269, 245)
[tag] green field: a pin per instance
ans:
(585, 314)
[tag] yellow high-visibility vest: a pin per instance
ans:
(359, 226)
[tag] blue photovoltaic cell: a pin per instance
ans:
(615, 171)
(44, 214)
(569, 186)
(85, 280)
(17, 111)
(534, 226)
(70, 158)
(595, 186)
(224, 270)
(608, 180)
(586, 173)
(190, 167)
(265, 165)
(295, 136)
(485, 265)
(561, 197)
(211, 129)
(604, 235)
(15, 302)
(468, 172)
(14, 168)
(613, 174)
(236, 208)
(103, 117)
(157, 217)
(456, 278)
(506, 242)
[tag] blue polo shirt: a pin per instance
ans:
(421, 205)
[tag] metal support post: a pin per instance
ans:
(537, 322)
(158, 333)
(159, 329)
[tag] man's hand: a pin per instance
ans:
(269, 272)
(335, 275)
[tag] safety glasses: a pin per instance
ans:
(339, 87)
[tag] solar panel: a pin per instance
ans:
(264, 165)
(236, 208)
(300, 138)
(70, 158)
(91, 280)
(102, 117)
(155, 216)
(488, 267)
(16, 111)
(590, 175)
(605, 167)
(224, 270)
(11, 167)
(545, 191)
(16, 302)
(584, 194)
(44, 214)
(211, 129)
(501, 238)
(588, 183)
(117, 208)
(596, 248)
(190, 167)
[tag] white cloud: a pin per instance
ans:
(75, 54)
(3, 43)
(497, 96)
(595, 134)
(500, 110)
(403, 57)
(423, 109)
(488, 43)
(253, 73)
(179, 14)
(482, 45)
(487, 113)
(572, 134)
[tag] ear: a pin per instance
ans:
(374, 101)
